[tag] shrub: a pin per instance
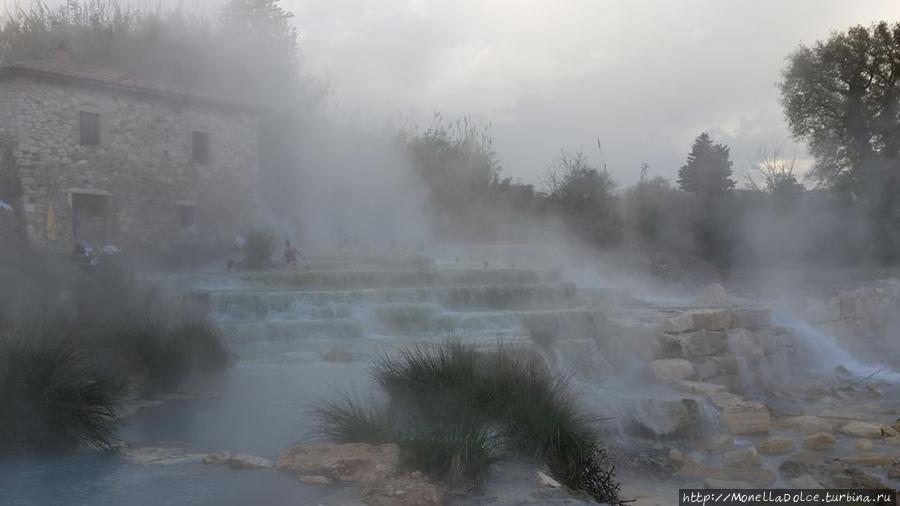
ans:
(258, 249)
(51, 397)
(454, 408)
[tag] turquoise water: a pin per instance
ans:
(263, 407)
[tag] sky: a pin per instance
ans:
(644, 77)
(641, 77)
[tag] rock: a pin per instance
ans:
(238, 460)
(672, 370)
(699, 388)
(725, 484)
(679, 459)
(713, 294)
(869, 460)
(820, 441)
(894, 472)
(702, 343)
(712, 319)
(791, 468)
(751, 318)
(546, 481)
(776, 446)
(746, 457)
(726, 365)
(757, 476)
(403, 491)
(807, 424)
(805, 481)
(854, 478)
(356, 462)
(867, 430)
(864, 444)
(706, 369)
(715, 444)
(746, 417)
(314, 480)
(161, 455)
(740, 343)
(680, 324)
(662, 418)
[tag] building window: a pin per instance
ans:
(187, 216)
(201, 147)
(89, 128)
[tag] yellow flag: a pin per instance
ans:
(51, 223)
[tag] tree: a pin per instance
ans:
(585, 197)
(778, 179)
(843, 97)
(708, 169)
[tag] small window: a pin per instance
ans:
(187, 216)
(89, 128)
(201, 147)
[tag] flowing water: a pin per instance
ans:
(305, 336)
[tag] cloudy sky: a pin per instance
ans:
(644, 77)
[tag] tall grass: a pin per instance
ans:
(455, 409)
(67, 360)
(50, 396)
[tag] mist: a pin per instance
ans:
(447, 253)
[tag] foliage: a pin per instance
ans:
(51, 396)
(585, 197)
(778, 178)
(258, 249)
(708, 169)
(454, 410)
(842, 96)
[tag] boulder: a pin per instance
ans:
(745, 457)
(544, 480)
(699, 388)
(776, 446)
(867, 430)
(717, 319)
(751, 318)
(870, 460)
(713, 294)
(413, 489)
(701, 472)
(680, 324)
(238, 460)
(679, 459)
(805, 481)
(715, 444)
(854, 478)
(894, 472)
(672, 370)
(807, 424)
(702, 343)
(864, 444)
(820, 441)
(746, 417)
(662, 418)
(727, 364)
(357, 462)
(792, 468)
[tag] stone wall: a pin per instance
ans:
(143, 163)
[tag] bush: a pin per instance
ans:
(52, 398)
(453, 409)
(258, 249)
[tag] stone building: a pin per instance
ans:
(95, 155)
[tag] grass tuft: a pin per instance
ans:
(52, 399)
(455, 409)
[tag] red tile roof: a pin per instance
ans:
(116, 79)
